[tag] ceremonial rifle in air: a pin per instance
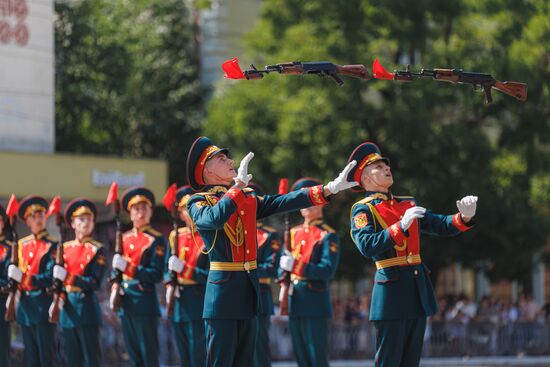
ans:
(327, 69)
(485, 81)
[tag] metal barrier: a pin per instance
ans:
(346, 341)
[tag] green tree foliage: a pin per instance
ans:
(443, 140)
(126, 79)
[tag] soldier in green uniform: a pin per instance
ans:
(5, 256)
(191, 265)
(34, 275)
(269, 253)
(82, 274)
(142, 265)
(312, 264)
(386, 229)
(225, 216)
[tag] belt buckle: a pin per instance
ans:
(409, 259)
(246, 266)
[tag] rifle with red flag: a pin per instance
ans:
(116, 280)
(321, 68)
(485, 81)
(285, 278)
(170, 204)
(11, 210)
(58, 296)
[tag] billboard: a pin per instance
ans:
(27, 76)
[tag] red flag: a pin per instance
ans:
(112, 196)
(283, 186)
(55, 206)
(13, 206)
(170, 197)
(379, 72)
(232, 69)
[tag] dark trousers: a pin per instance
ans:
(40, 345)
(82, 347)
(230, 343)
(309, 340)
(191, 342)
(141, 340)
(262, 354)
(5, 347)
(399, 342)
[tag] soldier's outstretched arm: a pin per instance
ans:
(450, 225)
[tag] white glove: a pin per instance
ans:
(59, 272)
(242, 173)
(119, 263)
(175, 264)
(410, 215)
(341, 182)
(287, 263)
(467, 206)
(15, 273)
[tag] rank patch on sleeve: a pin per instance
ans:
(200, 204)
(333, 247)
(361, 220)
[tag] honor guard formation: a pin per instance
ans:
(218, 266)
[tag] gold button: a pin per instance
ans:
(131, 246)
(81, 266)
(28, 267)
(242, 212)
(88, 257)
(245, 231)
(247, 251)
(307, 230)
(410, 253)
(31, 254)
(416, 272)
(303, 242)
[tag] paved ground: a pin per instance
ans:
(541, 361)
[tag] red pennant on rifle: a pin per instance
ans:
(55, 206)
(232, 69)
(13, 206)
(170, 197)
(112, 196)
(283, 186)
(379, 72)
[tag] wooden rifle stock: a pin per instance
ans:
(356, 71)
(285, 284)
(12, 284)
(514, 89)
(115, 297)
(173, 284)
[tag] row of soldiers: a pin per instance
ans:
(224, 260)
